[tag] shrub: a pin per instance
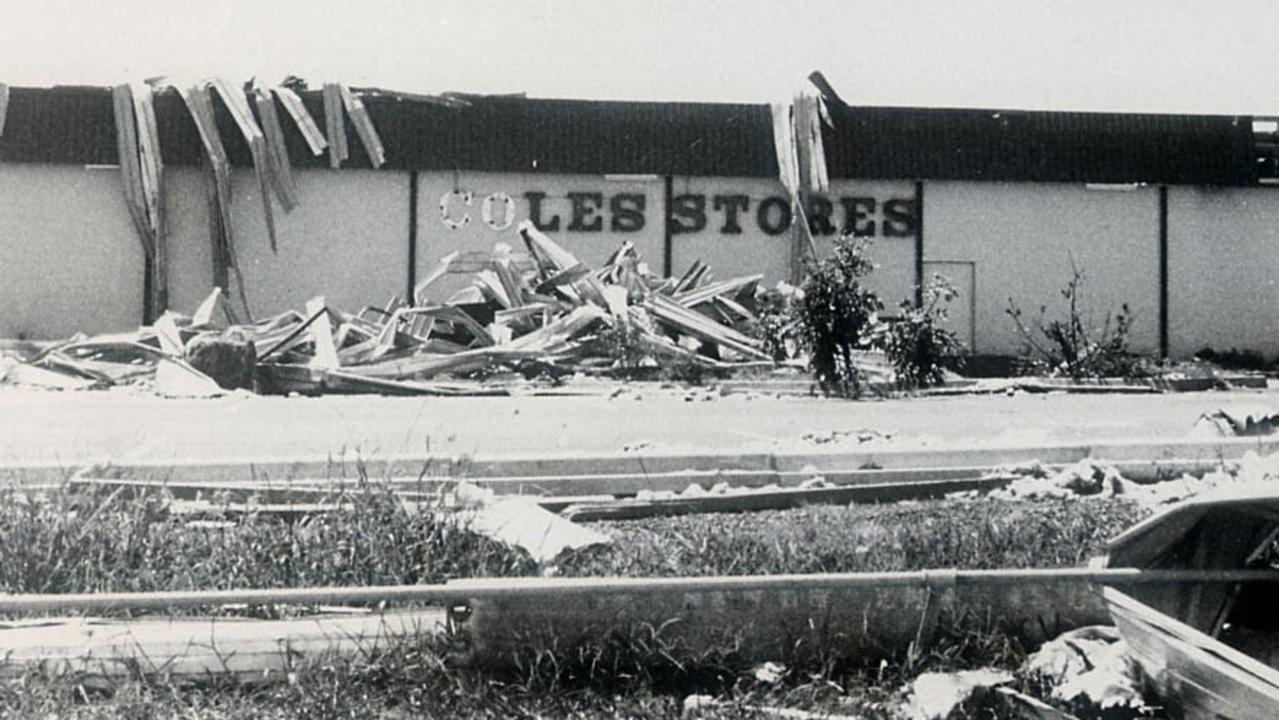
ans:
(1074, 347)
(776, 326)
(916, 344)
(836, 315)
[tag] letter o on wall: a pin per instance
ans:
(764, 216)
(451, 222)
(508, 210)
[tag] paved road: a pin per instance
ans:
(73, 429)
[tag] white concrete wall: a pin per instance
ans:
(1021, 238)
(70, 260)
(347, 240)
(1223, 269)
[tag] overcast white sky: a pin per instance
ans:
(1157, 55)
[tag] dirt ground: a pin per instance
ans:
(78, 428)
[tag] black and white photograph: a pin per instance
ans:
(700, 360)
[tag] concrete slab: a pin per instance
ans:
(59, 432)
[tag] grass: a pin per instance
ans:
(962, 533)
(95, 542)
(63, 542)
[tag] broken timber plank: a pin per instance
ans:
(686, 321)
(262, 166)
(302, 118)
(696, 297)
(152, 176)
(282, 173)
(440, 270)
(335, 125)
(363, 126)
(130, 169)
(218, 185)
(326, 354)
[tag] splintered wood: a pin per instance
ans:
(541, 314)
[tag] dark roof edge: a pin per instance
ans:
(75, 124)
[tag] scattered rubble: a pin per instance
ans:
(1226, 425)
(519, 521)
(1095, 478)
(1081, 673)
(546, 315)
(936, 695)
(1086, 668)
(860, 436)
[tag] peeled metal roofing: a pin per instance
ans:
(515, 134)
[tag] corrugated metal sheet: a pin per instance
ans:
(1041, 146)
(511, 134)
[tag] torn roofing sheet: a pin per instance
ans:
(281, 174)
(239, 107)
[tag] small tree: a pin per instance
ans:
(836, 313)
(916, 344)
(1072, 346)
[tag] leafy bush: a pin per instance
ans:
(836, 314)
(776, 326)
(1074, 347)
(916, 344)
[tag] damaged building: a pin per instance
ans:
(289, 192)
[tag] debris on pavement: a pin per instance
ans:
(1082, 673)
(1084, 478)
(545, 314)
(850, 437)
(1086, 668)
(519, 521)
(938, 695)
(1227, 425)
(1094, 478)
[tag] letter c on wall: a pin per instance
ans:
(508, 210)
(450, 221)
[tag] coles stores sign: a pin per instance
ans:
(726, 214)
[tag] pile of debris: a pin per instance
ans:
(544, 315)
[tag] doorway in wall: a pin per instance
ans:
(962, 311)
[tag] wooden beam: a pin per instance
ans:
(152, 176)
(335, 125)
(262, 164)
(326, 354)
(363, 126)
(302, 118)
(281, 175)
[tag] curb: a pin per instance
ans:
(625, 473)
